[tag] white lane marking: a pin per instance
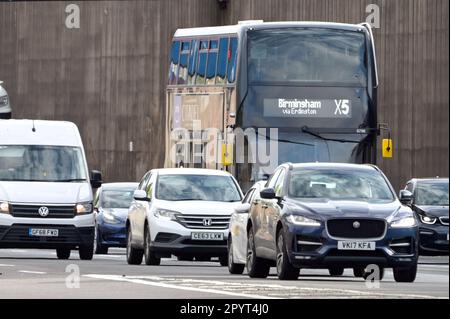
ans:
(32, 272)
(6, 265)
(164, 285)
(210, 286)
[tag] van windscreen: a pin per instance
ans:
(41, 163)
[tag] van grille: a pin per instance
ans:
(32, 211)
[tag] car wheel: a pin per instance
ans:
(99, 249)
(285, 270)
(86, 252)
(134, 256)
(235, 269)
(336, 271)
(359, 272)
(150, 258)
(256, 267)
(63, 253)
(223, 260)
(405, 274)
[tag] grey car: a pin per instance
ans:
(5, 107)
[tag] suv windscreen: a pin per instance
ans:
(431, 194)
(336, 184)
(117, 198)
(197, 187)
(41, 163)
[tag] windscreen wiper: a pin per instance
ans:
(305, 129)
(70, 180)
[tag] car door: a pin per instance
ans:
(262, 237)
(135, 212)
(144, 208)
(273, 211)
(239, 229)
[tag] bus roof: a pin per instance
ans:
(255, 25)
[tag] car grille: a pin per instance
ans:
(444, 220)
(32, 211)
(344, 228)
(204, 221)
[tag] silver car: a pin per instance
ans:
(5, 108)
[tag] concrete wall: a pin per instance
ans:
(109, 76)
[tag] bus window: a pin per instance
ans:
(222, 63)
(183, 68)
(174, 57)
(201, 66)
(232, 58)
(212, 62)
(193, 61)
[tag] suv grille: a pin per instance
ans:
(357, 228)
(32, 211)
(204, 221)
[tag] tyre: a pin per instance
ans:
(285, 270)
(185, 258)
(134, 255)
(150, 258)
(63, 253)
(359, 272)
(99, 249)
(336, 271)
(256, 267)
(223, 260)
(405, 274)
(86, 252)
(234, 269)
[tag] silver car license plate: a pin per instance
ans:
(207, 236)
(40, 232)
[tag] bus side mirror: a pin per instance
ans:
(387, 148)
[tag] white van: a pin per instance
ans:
(45, 189)
(5, 107)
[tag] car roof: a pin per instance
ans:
(20, 132)
(367, 167)
(190, 171)
(109, 186)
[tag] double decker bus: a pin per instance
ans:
(271, 92)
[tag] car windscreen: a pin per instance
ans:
(334, 184)
(431, 194)
(42, 163)
(117, 198)
(197, 187)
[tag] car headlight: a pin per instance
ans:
(83, 208)
(109, 217)
(5, 208)
(408, 221)
(302, 220)
(429, 220)
(167, 214)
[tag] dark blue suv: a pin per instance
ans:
(333, 216)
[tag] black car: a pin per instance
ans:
(430, 202)
(332, 216)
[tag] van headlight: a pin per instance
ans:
(5, 208)
(303, 221)
(83, 208)
(404, 222)
(166, 214)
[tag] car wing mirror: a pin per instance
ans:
(243, 208)
(406, 197)
(268, 193)
(140, 194)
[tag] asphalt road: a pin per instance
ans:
(38, 274)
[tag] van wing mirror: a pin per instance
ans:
(406, 197)
(140, 194)
(96, 179)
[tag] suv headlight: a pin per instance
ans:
(302, 220)
(404, 222)
(5, 208)
(429, 220)
(83, 208)
(167, 214)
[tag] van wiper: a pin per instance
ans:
(305, 129)
(69, 180)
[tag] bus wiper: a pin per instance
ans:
(305, 129)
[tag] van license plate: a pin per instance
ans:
(207, 236)
(43, 232)
(356, 245)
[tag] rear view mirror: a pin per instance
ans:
(242, 208)
(96, 179)
(268, 193)
(406, 197)
(140, 194)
